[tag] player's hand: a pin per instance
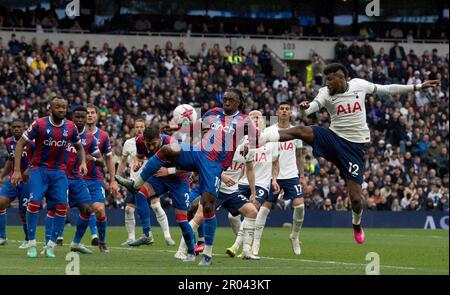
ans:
(137, 165)
(244, 150)
(114, 187)
(430, 84)
(83, 169)
(304, 105)
(163, 171)
(253, 199)
(16, 178)
(26, 175)
(228, 181)
(276, 187)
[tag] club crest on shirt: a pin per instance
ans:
(65, 132)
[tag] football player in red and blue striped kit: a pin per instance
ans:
(226, 127)
(94, 178)
(52, 135)
(8, 192)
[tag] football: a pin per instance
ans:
(184, 114)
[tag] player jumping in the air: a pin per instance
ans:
(226, 127)
(129, 153)
(9, 192)
(52, 135)
(343, 143)
(167, 179)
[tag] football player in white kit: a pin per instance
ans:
(286, 179)
(344, 142)
(263, 158)
(129, 156)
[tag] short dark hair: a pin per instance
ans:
(334, 67)
(17, 120)
(79, 109)
(283, 103)
(151, 132)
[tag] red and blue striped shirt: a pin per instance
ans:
(95, 172)
(224, 134)
(27, 154)
(51, 142)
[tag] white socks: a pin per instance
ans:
(130, 223)
(356, 218)
(162, 219)
(297, 220)
(235, 222)
(208, 250)
(249, 231)
(239, 237)
(259, 227)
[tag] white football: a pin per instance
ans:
(184, 114)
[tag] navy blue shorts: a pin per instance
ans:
(78, 193)
(261, 193)
(291, 187)
(20, 191)
(346, 155)
(232, 202)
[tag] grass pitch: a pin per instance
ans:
(325, 251)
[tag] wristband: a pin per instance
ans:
(417, 87)
(172, 170)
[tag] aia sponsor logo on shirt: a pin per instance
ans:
(287, 146)
(348, 108)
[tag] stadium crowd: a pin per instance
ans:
(406, 164)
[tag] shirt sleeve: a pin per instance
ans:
(298, 143)
(75, 136)
(126, 149)
(318, 102)
(31, 133)
(140, 147)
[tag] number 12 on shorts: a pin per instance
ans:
(353, 168)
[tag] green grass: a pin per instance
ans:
(324, 251)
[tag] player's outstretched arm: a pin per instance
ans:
(392, 89)
(16, 178)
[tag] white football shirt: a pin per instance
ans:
(129, 150)
(287, 153)
(348, 110)
(262, 159)
(234, 171)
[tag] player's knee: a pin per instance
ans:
(61, 210)
(85, 210)
(4, 203)
(251, 212)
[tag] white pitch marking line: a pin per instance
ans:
(262, 257)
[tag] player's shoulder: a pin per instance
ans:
(8, 140)
(215, 111)
(70, 124)
(131, 141)
(272, 127)
(103, 133)
(358, 82)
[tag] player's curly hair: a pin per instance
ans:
(334, 67)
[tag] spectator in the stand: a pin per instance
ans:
(397, 54)
(340, 50)
(327, 205)
(367, 50)
(354, 49)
